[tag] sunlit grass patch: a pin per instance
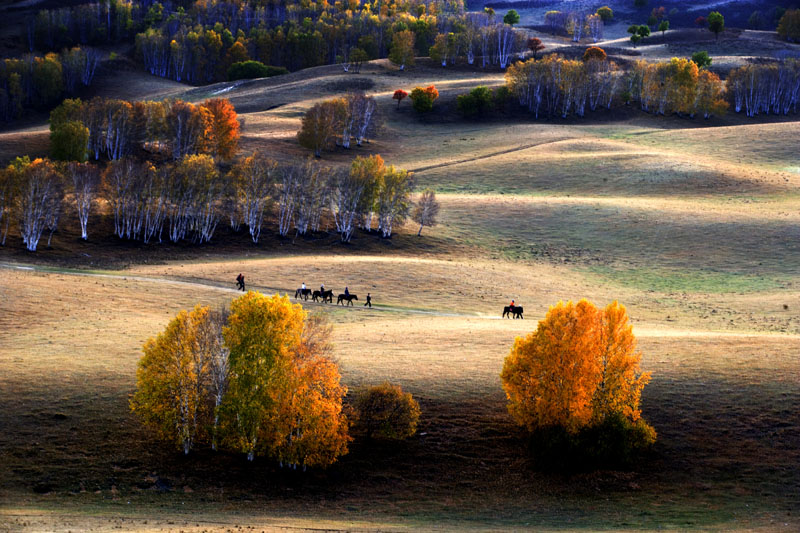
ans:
(682, 280)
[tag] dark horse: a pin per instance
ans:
(346, 297)
(516, 311)
(326, 296)
(302, 293)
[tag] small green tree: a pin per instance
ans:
(643, 31)
(247, 70)
(605, 13)
(511, 18)
(386, 412)
(69, 141)
(789, 25)
(701, 59)
(635, 39)
(716, 23)
(663, 27)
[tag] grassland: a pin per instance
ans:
(691, 224)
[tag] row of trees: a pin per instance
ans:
(118, 128)
(579, 23)
(338, 121)
(188, 199)
(557, 86)
(40, 82)
(766, 88)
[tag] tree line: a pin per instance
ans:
(766, 88)
(117, 128)
(189, 198)
(555, 86)
(39, 82)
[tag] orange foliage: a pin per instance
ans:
(224, 127)
(578, 367)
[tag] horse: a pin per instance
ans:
(346, 297)
(325, 296)
(302, 293)
(516, 311)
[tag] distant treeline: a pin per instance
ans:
(200, 43)
(554, 86)
(40, 82)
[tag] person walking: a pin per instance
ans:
(240, 281)
(369, 301)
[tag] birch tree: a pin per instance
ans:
(394, 200)
(426, 210)
(255, 178)
(85, 181)
(40, 200)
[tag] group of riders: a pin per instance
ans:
(327, 296)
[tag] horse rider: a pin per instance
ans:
(512, 305)
(322, 287)
(346, 291)
(303, 286)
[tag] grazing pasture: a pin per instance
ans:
(693, 225)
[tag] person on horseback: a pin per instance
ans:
(346, 291)
(512, 305)
(322, 287)
(303, 286)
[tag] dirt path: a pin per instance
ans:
(642, 330)
(490, 155)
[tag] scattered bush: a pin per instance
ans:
(605, 13)
(386, 412)
(69, 141)
(422, 99)
(594, 53)
(702, 59)
(475, 103)
(247, 70)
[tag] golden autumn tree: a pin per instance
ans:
(172, 378)
(578, 368)
(322, 124)
(314, 428)
(260, 334)
(224, 128)
(550, 376)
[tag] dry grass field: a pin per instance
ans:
(693, 225)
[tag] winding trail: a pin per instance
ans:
(643, 331)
